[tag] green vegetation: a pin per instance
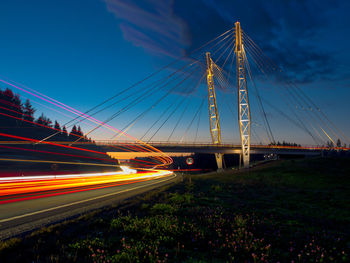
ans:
(287, 211)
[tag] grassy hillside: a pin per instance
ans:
(286, 211)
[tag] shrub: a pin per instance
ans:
(216, 188)
(181, 199)
(9, 243)
(163, 209)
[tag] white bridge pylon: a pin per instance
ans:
(243, 102)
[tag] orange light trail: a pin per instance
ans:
(14, 189)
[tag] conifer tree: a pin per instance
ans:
(43, 120)
(57, 126)
(73, 132)
(79, 132)
(9, 101)
(338, 143)
(28, 111)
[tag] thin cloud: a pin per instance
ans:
(152, 25)
(285, 30)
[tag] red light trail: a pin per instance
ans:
(163, 159)
(13, 189)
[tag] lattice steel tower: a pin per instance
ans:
(214, 123)
(243, 102)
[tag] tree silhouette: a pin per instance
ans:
(64, 133)
(330, 144)
(43, 120)
(11, 105)
(13, 114)
(338, 143)
(73, 133)
(28, 111)
(79, 132)
(57, 126)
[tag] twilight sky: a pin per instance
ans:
(81, 52)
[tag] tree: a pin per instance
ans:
(18, 107)
(64, 133)
(330, 144)
(28, 111)
(79, 132)
(8, 94)
(338, 143)
(43, 120)
(12, 106)
(73, 132)
(57, 126)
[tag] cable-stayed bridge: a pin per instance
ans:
(226, 97)
(227, 93)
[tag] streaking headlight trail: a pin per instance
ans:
(14, 189)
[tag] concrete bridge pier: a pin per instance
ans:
(219, 160)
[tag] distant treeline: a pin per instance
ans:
(284, 144)
(329, 144)
(17, 118)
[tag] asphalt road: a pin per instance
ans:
(23, 216)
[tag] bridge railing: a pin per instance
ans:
(205, 144)
(184, 144)
(171, 143)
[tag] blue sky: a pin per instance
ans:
(67, 49)
(83, 51)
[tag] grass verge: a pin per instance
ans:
(291, 211)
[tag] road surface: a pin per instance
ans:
(48, 203)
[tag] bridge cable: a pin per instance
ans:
(260, 65)
(157, 102)
(113, 116)
(136, 101)
(170, 114)
(139, 82)
(164, 112)
(303, 96)
(161, 116)
(183, 112)
(194, 117)
(266, 121)
(199, 119)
